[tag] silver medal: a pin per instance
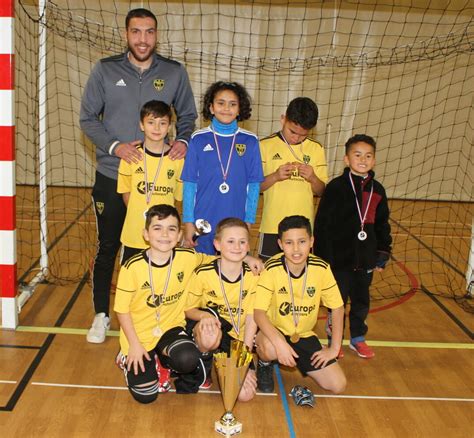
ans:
(224, 188)
(362, 235)
(157, 332)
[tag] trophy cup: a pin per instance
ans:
(202, 227)
(231, 371)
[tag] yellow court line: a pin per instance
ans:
(60, 330)
(395, 344)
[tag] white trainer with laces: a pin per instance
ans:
(96, 334)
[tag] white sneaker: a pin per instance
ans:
(96, 334)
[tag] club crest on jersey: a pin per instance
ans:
(100, 206)
(311, 291)
(159, 84)
(306, 159)
(240, 148)
(244, 293)
(170, 173)
(180, 276)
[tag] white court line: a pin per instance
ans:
(9, 382)
(382, 397)
(124, 388)
(361, 397)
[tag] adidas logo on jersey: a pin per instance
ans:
(146, 285)
(208, 148)
(212, 293)
(282, 290)
(276, 156)
(139, 170)
(120, 83)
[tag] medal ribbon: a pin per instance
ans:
(226, 171)
(296, 317)
(291, 149)
(152, 287)
(362, 218)
(149, 194)
(235, 326)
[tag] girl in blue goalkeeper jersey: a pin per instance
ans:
(223, 167)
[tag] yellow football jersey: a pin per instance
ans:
(295, 192)
(131, 179)
(274, 295)
(205, 290)
(134, 294)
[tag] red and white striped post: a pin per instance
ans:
(8, 281)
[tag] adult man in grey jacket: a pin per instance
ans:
(110, 113)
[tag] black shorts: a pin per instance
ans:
(150, 374)
(268, 246)
(305, 348)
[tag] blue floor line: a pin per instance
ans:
(284, 400)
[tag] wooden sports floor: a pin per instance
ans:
(420, 383)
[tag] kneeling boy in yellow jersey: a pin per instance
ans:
(286, 307)
(220, 298)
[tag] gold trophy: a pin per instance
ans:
(231, 371)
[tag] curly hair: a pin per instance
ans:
(245, 110)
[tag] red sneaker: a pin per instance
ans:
(362, 350)
(206, 384)
(121, 360)
(164, 382)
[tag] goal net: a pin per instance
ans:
(401, 72)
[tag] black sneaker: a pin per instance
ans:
(265, 381)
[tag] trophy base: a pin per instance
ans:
(228, 430)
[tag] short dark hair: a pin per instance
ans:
(245, 110)
(291, 222)
(155, 108)
(303, 111)
(360, 138)
(162, 211)
(140, 13)
(230, 222)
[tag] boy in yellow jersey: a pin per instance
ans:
(289, 292)
(220, 298)
(150, 307)
(155, 179)
(150, 303)
(295, 170)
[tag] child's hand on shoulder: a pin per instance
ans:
(255, 264)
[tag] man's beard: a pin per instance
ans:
(141, 57)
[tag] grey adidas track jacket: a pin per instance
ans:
(114, 95)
